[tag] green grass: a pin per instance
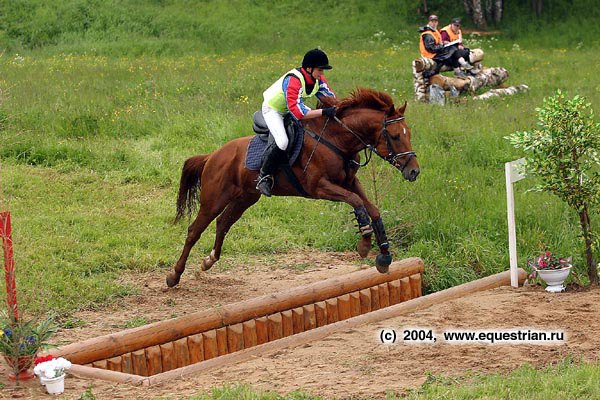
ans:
(92, 148)
(566, 380)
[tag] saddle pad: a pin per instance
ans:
(256, 150)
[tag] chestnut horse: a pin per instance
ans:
(326, 169)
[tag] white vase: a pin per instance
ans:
(554, 278)
(54, 385)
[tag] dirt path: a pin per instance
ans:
(352, 363)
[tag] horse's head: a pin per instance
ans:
(394, 144)
(383, 128)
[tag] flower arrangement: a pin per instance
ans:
(548, 261)
(50, 367)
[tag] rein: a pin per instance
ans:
(392, 157)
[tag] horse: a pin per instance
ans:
(326, 168)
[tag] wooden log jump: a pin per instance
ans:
(179, 342)
(300, 338)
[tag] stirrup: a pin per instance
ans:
(265, 184)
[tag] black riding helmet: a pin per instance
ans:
(316, 58)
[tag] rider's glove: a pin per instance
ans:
(329, 112)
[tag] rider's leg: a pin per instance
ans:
(275, 154)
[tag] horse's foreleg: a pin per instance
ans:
(362, 210)
(202, 221)
(232, 213)
(366, 231)
(384, 258)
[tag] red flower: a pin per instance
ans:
(39, 360)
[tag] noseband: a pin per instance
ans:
(392, 158)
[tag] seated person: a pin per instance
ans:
(432, 46)
(452, 33)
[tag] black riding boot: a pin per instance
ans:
(268, 169)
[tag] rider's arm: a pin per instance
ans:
(324, 89)
(292, 88)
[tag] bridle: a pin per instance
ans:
(392, 158)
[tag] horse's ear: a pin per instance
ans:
(402, 109)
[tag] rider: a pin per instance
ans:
(288, 94)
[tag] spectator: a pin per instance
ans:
(432, 46)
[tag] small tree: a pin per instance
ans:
(564, 152)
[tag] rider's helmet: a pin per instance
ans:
(316, 58)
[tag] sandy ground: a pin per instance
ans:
(350, 364)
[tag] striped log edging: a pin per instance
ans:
(494, 281)
(176, 343)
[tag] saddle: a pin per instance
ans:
(292, 128)
(263, 140)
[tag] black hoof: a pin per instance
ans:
(172, 280)
(382, 262)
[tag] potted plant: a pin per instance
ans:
(553, 270)
(52, 373)
(21, 340)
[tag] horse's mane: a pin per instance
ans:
(363, 98)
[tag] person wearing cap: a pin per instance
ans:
(452, 33)
(288, 94)
(432, 46)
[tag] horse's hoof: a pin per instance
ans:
(382, 262)
(207, 263)
(173, 279)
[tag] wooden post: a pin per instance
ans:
(310, 318)
(249, 328)
(384, 295)
(321, 313)
(275, 326)
(235, 337)
(9, 265)
(196, 348)
(355, 303)
(182, 352)
(287, 323)
(512, 175)
(154, 359)
(298, 319)
(405, 292)
(167, 355)
(114, 364)
(209, 339)
(344, 307)
(394, 290)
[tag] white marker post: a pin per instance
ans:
(512, 176)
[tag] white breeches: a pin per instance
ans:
(274, 120)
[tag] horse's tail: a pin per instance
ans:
(189, 185)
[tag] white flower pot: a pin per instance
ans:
(554, 278)
(54, 385)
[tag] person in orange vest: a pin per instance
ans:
(431, 46)
(452, 33)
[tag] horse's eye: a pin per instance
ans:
(395, 137)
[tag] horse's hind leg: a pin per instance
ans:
(232, 213)
(204, 218)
